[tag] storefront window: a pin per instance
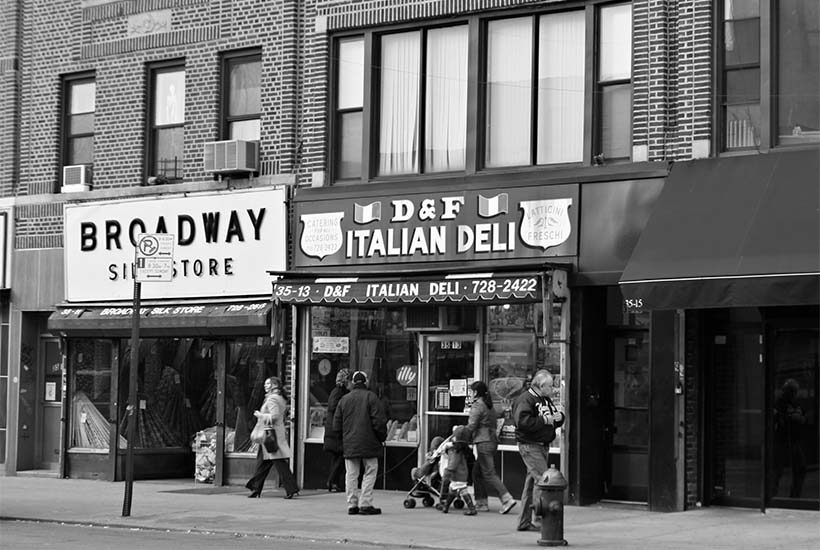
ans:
(515, 351)
(89, 364)
(177, 390)
(372, 340)
(250, 362)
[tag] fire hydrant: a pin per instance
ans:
(550, 506)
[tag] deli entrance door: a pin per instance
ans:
(450, 364)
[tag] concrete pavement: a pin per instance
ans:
(185, 506)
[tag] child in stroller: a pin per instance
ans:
(427, 477)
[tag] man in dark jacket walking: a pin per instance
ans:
(361, 420)
(536, 419)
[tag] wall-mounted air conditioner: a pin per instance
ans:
(225, 157)
(76, 177)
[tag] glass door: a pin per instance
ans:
(450, 366)
(792, 389)
(627, 430)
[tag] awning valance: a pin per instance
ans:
(453, 288)
(739, 231)
(249, 318)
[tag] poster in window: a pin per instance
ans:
(442, 398)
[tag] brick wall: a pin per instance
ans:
(116, 40)
(9, 94)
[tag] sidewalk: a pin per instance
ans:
(185, 506)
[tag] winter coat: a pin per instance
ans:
(333, 438)
(530, 426)
(273, 412)
(361, 420)
(483, 422)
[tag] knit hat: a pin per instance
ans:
(359, 377)
(461, 435)
(436, 442)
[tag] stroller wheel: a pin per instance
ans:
(427, 501)
(409, 503)
(458, 504)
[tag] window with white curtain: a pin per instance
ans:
(547, 88)
(445, 130)
(561, 69)
(399, 100)
(509, 92)
(443, 75)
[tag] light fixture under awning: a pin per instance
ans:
(739, 231)
(250, 318)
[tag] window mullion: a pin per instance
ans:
(590, 84)
(534, 90)
(421, 107)
(369, 109)
(475, 115)
(767, 78)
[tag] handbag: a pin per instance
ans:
(270, 443)
(258, 433)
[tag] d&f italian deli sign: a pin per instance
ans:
(224, 244)
(523, 222)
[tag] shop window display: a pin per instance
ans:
(515, 350)
(372, 340)
(250, 361)
(177, 390)
(89, 365)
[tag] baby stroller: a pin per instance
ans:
(427, 477)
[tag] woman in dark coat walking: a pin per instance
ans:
(333, 439)
(272, 414)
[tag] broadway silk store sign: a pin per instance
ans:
(224, 244)
(518, 222)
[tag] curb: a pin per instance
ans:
(279, 537)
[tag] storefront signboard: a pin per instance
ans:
(489, 287)
(478, 225)
(224, 244)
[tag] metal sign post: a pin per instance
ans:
(154, 262)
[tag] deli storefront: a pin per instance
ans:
(431, 289)
(205, 337)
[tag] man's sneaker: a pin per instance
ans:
(353, 510)
(507, 506)
(482, 507)
(529, 527)
(369, 511)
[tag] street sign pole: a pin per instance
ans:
(133, 406)
(153, 262)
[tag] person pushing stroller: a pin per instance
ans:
(456, 472)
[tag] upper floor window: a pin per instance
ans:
(490, 93)
(243, 105)
(78, 124)
(770, 73)
(349, 102)
(166, 133)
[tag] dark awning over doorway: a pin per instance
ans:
(240, 318)
(740, 231)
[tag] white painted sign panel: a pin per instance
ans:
(154, 258)
(224, 244)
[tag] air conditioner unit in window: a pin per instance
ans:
(76, 177)
(225, 157)
(424, 318)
